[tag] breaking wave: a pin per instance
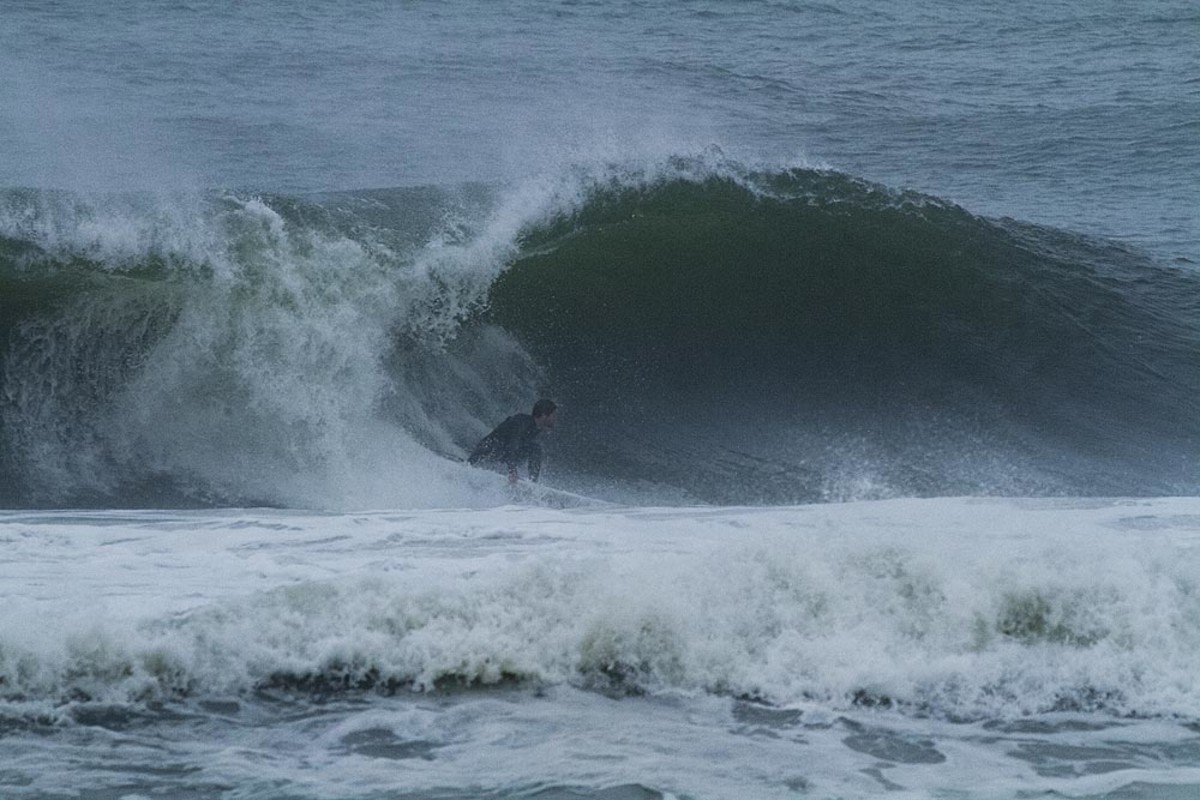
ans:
(713, 333)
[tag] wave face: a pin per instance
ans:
(714, 334)
(803, 335)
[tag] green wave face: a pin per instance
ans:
(804, 335)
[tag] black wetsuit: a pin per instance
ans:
(513, 441)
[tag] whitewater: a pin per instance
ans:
(982, 648)
(873, 330)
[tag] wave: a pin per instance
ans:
(713, 333)
(803, 335)
(230, 350)
(910, 605)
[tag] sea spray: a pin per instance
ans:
(242, 358)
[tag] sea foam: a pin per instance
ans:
(961, 609)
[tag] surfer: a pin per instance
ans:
(515, 440)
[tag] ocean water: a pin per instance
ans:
(874, 329)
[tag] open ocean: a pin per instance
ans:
(875, 329)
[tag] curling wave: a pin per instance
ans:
(714, 334)
(804, 335)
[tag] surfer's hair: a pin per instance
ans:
(544, 408)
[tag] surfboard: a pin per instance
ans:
(525, 492)
(528, 493)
